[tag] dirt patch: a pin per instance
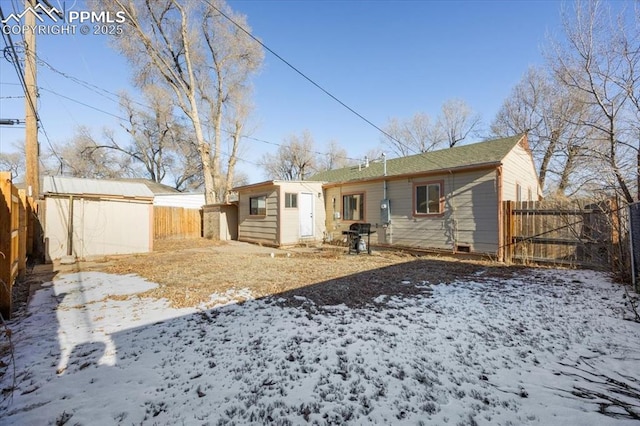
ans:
(188, 277)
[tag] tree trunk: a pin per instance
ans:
(232, 161)
(566, 171)
(546, 159)
(616, 170)
(204, 149)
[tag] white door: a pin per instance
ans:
(305, 208)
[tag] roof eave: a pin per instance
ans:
(467, 168)
(101, 196)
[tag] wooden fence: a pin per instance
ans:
(176, 222)
(565, 233)
(17, 227)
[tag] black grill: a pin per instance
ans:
(355, 234)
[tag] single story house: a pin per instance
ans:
(281, 213)
(448, 200)
(90, 217)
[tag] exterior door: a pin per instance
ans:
(306, 214)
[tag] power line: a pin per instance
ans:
(20, 72)
(303, 75)
(83, 103)
(102, 91)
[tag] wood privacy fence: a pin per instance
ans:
(574, 233)
(176, 222)
(17, 226)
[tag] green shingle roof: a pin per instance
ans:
(445, 159)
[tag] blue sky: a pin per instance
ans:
(382, 58)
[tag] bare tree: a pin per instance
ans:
(294, 160)
(336, 157)
(374, 153)
(599, 61)
(239, 109)
(457, 121)
(419, 134)
(628, 45)
(414, 135)
(197, 54)
(158, 147)
(80, 157)
(235, 56)
(190, 176)
(548, 113)
(14, 163)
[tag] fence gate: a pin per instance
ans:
(564, 233)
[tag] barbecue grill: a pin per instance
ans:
(355, 237)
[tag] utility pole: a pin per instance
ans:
(32, 148)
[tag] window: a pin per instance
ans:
(353, 207)
(258, 205)
(428, 198)
(290, 200)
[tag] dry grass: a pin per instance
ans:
(163, 246)
(189, 271)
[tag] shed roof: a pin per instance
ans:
(155, 187)
(79, 186)
(477, 154)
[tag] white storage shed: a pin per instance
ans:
(90, 217)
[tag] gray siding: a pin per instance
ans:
(263, 229)
(470, 212)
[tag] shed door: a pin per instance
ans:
(306, 214)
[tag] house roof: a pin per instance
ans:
(466, 156)
(274, 183)
(155, 187)
(78, 186)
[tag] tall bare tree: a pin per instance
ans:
(239, 108)
(294, 160)
(414, 135)
(157, 144)
(600, 60)
(419, 134)
(548, 112)
(457, 121)
(197, 53)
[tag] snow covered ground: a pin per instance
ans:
(548, 348)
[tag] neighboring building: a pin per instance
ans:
(187, 200)
(281, 213)
(448, 200)
(90, 217)
(168, 196)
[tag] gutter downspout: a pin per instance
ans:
(501, 246)
(384, 183)
(385, 226)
